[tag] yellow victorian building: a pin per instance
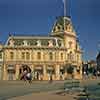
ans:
(58, 54)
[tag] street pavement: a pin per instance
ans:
(14, 89)
(45, 96)
(9, 89)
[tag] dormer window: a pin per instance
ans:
(56, 29)
(38, 43)
(11, 42)
(25, 43)
(56, 42)
(50, 43)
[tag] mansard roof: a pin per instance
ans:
(33, 41)
(61, 25)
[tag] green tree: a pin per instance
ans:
(70, 69)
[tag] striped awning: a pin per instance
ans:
(38, 68)
(61, 68)
(11, 67)
(50, 68)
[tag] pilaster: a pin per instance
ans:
(57, 72)
(44, 72)
(17, 71)
(5, 72)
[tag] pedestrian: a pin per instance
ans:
(29, 77)
(50, 81)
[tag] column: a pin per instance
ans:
(17, 72)
(32, 70)
(57, 72)
(44, 73)
(4, 72)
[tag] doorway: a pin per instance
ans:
(38, 73)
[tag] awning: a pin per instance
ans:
(11, 67)
(38, 68)
(61, 68)
(50, 68)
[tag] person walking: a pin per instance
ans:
(29, 77)
(50, 81)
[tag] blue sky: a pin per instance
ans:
(37, 17)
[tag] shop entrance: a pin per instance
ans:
(38, 73)
(11, 72)
(50, 72)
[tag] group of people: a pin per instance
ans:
(26, 76)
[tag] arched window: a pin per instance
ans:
(23, 55)
(62, 56)
(11, 55)
(39, 55)
(70, 56)
(50, 55)
(27, 55)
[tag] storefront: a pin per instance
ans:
(38, 72)
(50, 71)
(11, 72)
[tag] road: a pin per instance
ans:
(9, 89)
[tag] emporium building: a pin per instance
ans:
(58, 54)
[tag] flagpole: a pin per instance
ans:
(64, 8)
(64, 1)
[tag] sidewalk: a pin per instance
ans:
(44, 96)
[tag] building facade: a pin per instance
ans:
(1, 61)
(98, 61)
(44, 55)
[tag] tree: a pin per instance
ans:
(70, 70)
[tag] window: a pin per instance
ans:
(70, 56)
(77, 58)
(11, 55)
(0, 55)
(23, 55)
(70, 44)
(62, 56)
(38, 55)
(50, 56)
(27, 55)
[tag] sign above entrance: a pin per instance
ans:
(10, 67)
(38, 68)
(50, 68)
